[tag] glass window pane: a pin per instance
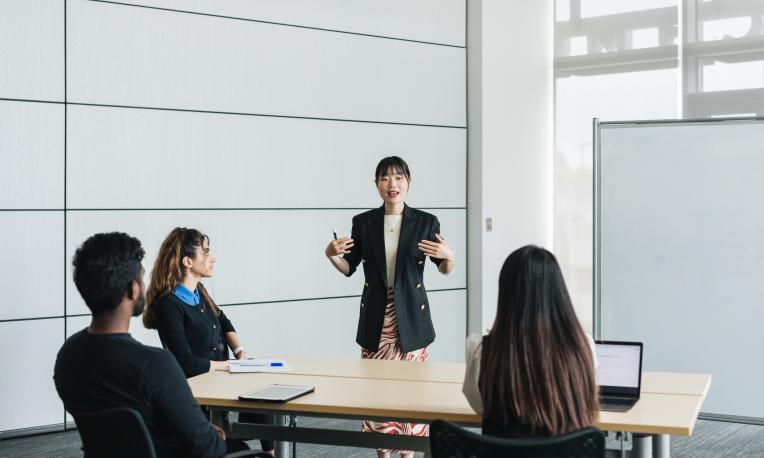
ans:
(644, 38)
(720, 76)
(723, 29)
(614, 27)
(729, 19)
(594, 8)
(562, 10)
(650, 95)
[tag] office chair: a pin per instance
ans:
(452, 441)
(121, 433)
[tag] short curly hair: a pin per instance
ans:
(105, 266)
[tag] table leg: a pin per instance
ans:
(661, 446)
(641, 446)
(281, 449)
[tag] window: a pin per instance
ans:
(625, 59)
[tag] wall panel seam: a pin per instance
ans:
(263, 115)
(282, 24)
(244, 209)
(235, 304)
(11, 99)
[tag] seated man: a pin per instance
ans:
(103, 367)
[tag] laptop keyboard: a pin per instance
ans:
(617, 401)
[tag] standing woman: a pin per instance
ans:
(392, 242)
(533, 374)
(191, 326)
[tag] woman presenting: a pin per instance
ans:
(392, 242)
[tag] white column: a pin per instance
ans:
(510, 119)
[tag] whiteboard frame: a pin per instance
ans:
(597, 126)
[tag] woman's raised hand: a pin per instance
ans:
(340, 246)
(437, 250)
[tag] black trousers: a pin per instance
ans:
(262, 418)
(249, 417)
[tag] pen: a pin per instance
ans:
(335, 233)
(258, 364)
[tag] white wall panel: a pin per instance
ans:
(328, 327)
(32, 272)
(26, 381)
(32, 49)
(449, 316)
(31, 155)
(311, 328)
(142, 57)
(261, 255)
(171, 159)
(438, 21)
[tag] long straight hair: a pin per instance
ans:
(168, 270)
(537, 367)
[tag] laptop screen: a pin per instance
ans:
(620, 367)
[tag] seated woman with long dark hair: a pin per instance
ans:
(533, 374)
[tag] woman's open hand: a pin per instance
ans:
(437, 250)
(340, 246)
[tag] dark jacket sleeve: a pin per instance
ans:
(225, 324)
(169, 320)
(434, 229)
(356, 252)
(177, 409)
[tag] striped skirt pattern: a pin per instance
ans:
(390, 348)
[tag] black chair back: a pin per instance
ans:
(114, 433)
(452, 441)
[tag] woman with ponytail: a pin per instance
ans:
(191, 326)
(189, 322)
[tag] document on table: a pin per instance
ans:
(258, 365)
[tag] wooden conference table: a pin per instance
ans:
(354, 388)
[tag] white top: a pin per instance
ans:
(392, 235)
(470, 386)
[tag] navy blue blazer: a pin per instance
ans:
(409, 294)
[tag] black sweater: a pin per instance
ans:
(192, 333)
(100, 371)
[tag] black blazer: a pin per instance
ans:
(411, 304)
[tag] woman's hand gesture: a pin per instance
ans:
(437, 250)
(338, 247)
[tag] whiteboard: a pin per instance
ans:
(679, 251)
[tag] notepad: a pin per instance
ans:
(258, 365)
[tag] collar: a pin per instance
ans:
(186, 295)
(408, 212)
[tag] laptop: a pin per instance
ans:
(619, 374)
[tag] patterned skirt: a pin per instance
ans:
(390, 348)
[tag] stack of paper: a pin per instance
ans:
(258, 365)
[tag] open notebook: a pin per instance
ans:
(258, 365)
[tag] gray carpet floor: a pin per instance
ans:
(710, 439)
